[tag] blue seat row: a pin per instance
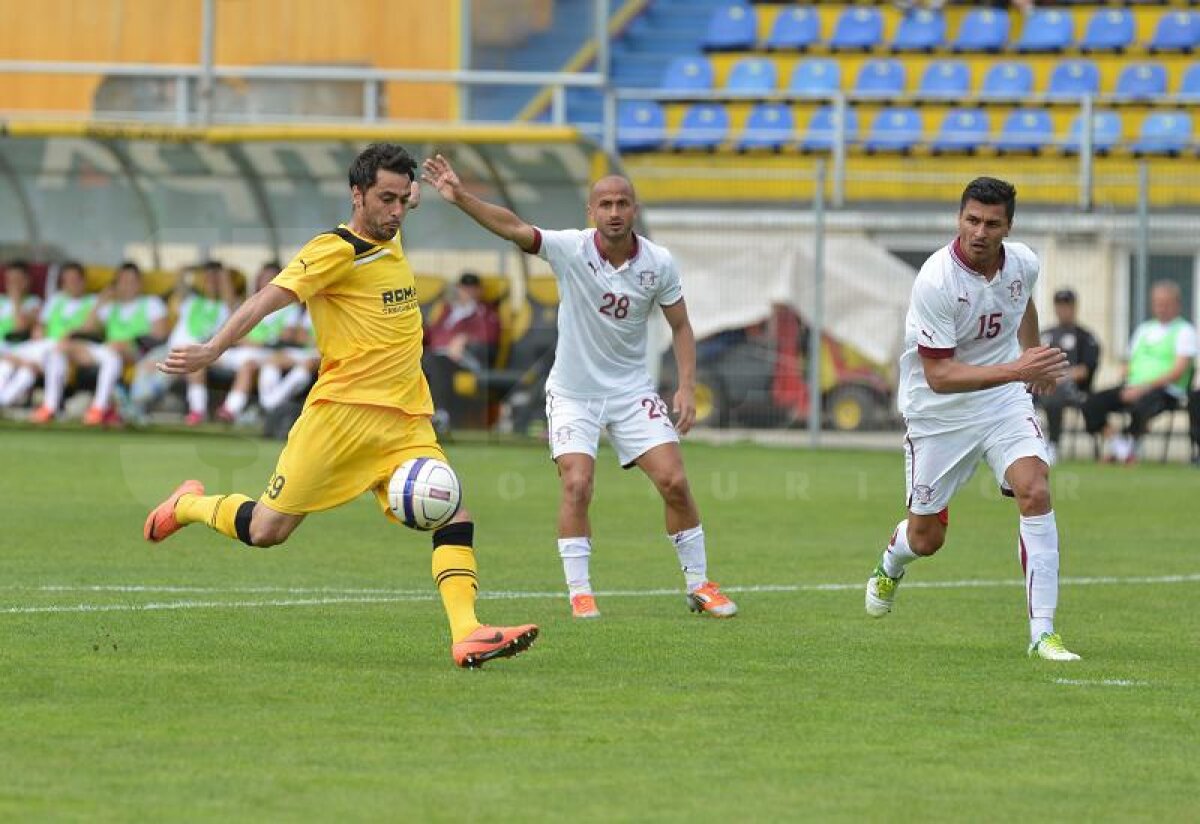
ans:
(642, 127)
(734, 27)
(1146, 80)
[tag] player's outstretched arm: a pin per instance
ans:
(683, 342)
(439, 174)
(196, 356)
(1038, 365)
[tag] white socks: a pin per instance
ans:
(898, 554)
(55, 379)
(17, 386)
(575, 553)
(197, 398)
(109, 365)
(235, 401)
(689, 546)
(1038, 549)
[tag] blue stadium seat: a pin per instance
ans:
(1046, 30)
(920, 30)
(769, 126)
(1074, 78)
(1176, 31)
(731, 28)
(641, 126)
(946, 78)
(688, 74)
(1025, 130)
(704, 126)
(1109, 30)
(1008, 81)
(1164, 133)
(962, 130)
(858, 27)
(798, 28)
(822, 129)
(752, 74)
(1106, 133)
(982, 30)
(1189, 84)
(894, 130)
(816, 76)
(1142, 81)
(880, 78)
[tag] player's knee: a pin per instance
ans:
(1033, 498)
(926, 541)
(674, 487)
(577, 488)
(269, 533)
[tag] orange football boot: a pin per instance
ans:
(160, 523)
(583, 605)
(487, 643)
(709, 600)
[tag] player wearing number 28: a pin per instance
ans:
(972, 359)
(370, 409)
(610, 280)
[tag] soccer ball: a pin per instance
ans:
(424, 493)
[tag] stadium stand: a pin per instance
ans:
(1106, 132)
(1142, 81)
(1025, 130)
(1109, 30)
(688, 73)
(945, 78)
(922, 30)
(962, 130)
(641, 126)
(858, 28)
(816, 76)
(881, 78)
(894, 130)
(1177, 31)
(1046, 30)
(769, 126)
(1164, 133)
(983, 30)
(732, 28)
(796, 29)
(1011, 81)
(752, 74)
(822, 129)
(705, 126)
(1072, 78)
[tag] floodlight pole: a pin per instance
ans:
(208, 35)
(1141, 270)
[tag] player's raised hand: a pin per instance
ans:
(190, 358)
(684, 409)
(439, 174)
(1041, 365)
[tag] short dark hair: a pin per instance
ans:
(469, 279)
(129, 264)
(990, 191)
(22, 265)
(70, 264)
(1064, 296)
(390, 157)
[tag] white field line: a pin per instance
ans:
(1104, 682)
(333, 596)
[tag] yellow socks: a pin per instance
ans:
(454, 575)
(214, 511)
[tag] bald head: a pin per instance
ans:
(1166, 298)
(612, 186)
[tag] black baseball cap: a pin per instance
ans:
(1064, 296)
(469, 279)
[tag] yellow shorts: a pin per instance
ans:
(337, 451)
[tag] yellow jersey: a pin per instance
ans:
(362, 299)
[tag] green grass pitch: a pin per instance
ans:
(206, 680)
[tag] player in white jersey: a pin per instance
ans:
(972, 359)
(610, 281)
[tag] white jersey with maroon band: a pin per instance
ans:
(603, 312)
(956, 312)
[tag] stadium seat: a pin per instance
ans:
(769, 126)
(1106, 133)
(946, 78)
(816, 76)
(752, 74)
(822, 129)
(1164, 133)
(1025, 130)
(920, 30)
(1176, 31)
(894, 130)
(858, 27)
(1008, 81)
(1142, 81)
(1109, 30)
(641, 126)
(705, 126)
(731, 28)
(982, 30)
(686, 74)
(1189, 84)
(1046, 30)
(796, 29)
(962, 130)
(1074, 78)
(880, 78)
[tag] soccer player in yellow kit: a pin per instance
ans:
(370, 410)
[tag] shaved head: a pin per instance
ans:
(612, 185)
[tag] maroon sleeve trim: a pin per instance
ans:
(537, 242)
(936, 354)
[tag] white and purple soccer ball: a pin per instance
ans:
(424, 493)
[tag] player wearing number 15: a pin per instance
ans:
(972, 357)
(370, 409)
(609, 280)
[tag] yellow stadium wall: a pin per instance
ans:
(390, 34)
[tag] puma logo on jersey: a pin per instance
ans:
(964, 300)
(926, 334)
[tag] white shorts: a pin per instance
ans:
(236, 357)
(937, 466)
(635, 423)
(33, 351)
